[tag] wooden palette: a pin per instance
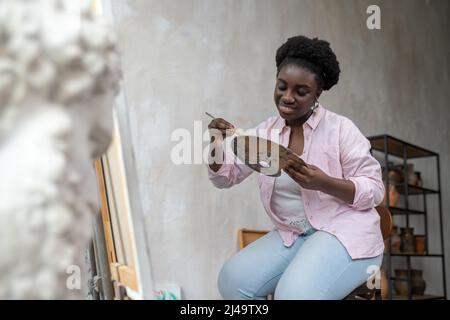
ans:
(264, 156)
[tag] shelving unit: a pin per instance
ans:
(405, 151)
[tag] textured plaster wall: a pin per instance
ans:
(182, 58)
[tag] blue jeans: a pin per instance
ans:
(316, 266)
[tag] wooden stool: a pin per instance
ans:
(247, 236)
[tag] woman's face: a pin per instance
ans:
(296, 91)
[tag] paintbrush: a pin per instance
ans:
(237, 132)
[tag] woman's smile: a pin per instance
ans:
(287, 110)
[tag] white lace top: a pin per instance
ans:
(287, 202)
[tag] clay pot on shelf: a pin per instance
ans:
(418, 283)
(412, 176)
(396, 240)
(419, 177)
(420, 243)
(401, 283)
(393, 196)
(408, 245)
(395, 176)
(413, 179)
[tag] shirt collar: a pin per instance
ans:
(312, 122)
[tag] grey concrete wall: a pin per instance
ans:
(182, 58)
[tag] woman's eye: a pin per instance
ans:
(281, 87)
(302, 93)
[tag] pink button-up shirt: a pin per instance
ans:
(335, 145)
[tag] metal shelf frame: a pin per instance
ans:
(402, 150)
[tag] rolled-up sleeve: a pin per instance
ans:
(230, 174)
(360, 167)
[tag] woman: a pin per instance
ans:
(327, 237)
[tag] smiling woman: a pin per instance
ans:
(305, 68)
(327, 245)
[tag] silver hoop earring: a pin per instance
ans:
(315, 106)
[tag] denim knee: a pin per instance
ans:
(228, 281)
(232, 282)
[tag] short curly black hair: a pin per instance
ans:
(313, 54)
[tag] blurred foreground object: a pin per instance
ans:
(59, 75)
